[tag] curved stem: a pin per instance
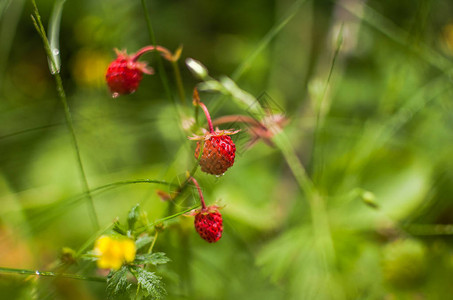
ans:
(208, 116)
(238, 118)
(203, 204)
(127, 182)
(164, 51)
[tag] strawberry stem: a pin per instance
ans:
(164, 51)
(208, 116)
(203, 204)
(239, 118)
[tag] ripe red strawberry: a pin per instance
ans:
(209, 223)
(125, 73)
(218, 152)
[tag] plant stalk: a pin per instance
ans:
(62, 96)
(178, 79)
(160, 65)
(164, 51)
(208, 116)
(203, 204)
(51, 274)
(154, 242)
(140, 230)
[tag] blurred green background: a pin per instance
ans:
(365, 86)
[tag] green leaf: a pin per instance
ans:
(117, 284)
(266, 40)
(143, 241)
(157, 258)
(118, 228)
(133, 216)
(150, 284)
(90, 256)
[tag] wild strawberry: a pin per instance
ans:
(218, 149)
(218, 152)
(125, 73)
(209, 223)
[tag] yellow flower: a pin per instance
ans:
(114, 252)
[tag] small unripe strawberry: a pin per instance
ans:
(125, 73)
(209, 224)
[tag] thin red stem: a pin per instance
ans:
(203, 204)
(236, 119)
(208, 116)
(164, 51)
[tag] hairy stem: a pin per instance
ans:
(208, 116)
(164, 51)
(236, 119)
(203, 204)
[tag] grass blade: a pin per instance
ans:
(266, 40)
(36, 18)
(51, 274)
(400, 36)
(54, 36)
(10, 12)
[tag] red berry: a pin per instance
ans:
(209, 224)
(124, 74)
(218, 153)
